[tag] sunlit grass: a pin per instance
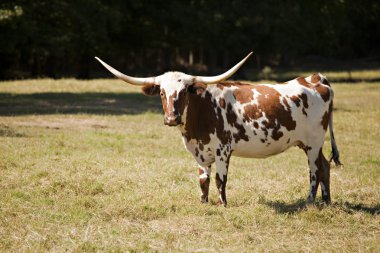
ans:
(81, 170)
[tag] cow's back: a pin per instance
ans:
(266, 119)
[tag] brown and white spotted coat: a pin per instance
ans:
(257, 121)
(234, 119)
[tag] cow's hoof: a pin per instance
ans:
(309, 201)
(326, 200)
(204, 199)
(223, 203)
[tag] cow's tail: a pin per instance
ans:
(334, 148)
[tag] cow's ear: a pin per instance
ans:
(151, 89)
(197, 88)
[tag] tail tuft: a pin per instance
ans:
(335, 156)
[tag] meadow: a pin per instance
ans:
(88, 166)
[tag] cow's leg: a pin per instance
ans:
(319, 174)
(324, 177)
(312, 156)
(222, 163)
(204, 182)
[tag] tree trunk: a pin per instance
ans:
(191, 58)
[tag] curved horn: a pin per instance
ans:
(129, 79)
(224, 76)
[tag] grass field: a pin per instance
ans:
(88, 166)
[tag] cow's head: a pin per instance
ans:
(174, 88)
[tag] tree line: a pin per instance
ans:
(59, 38)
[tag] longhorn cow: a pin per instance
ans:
(220, 119)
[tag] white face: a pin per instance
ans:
(173, 89)
(173, 82)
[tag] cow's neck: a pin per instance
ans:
(200, 118)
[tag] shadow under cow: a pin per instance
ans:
(301, 205)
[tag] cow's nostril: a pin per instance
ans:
(172, 120)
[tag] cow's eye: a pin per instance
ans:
(161, 94)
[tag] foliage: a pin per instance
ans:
(60, 38)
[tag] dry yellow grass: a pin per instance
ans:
(84, 169)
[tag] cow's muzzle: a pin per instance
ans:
(173, 121)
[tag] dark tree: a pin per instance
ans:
(60, 38)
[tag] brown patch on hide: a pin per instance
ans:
(304, 147)
(240, 135)
(252, 112)
(303, 82)
(226, 84)
(323, 91)
(303, 97)
(180, 103)
(286, 103)
(243, 95)
(222, 103)
(202, 120)
(265, 129)
(231, 116)
(296, 100)
(222, 85)
(276, 114)
(164, 102)
(315, 78)
(232, 120)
